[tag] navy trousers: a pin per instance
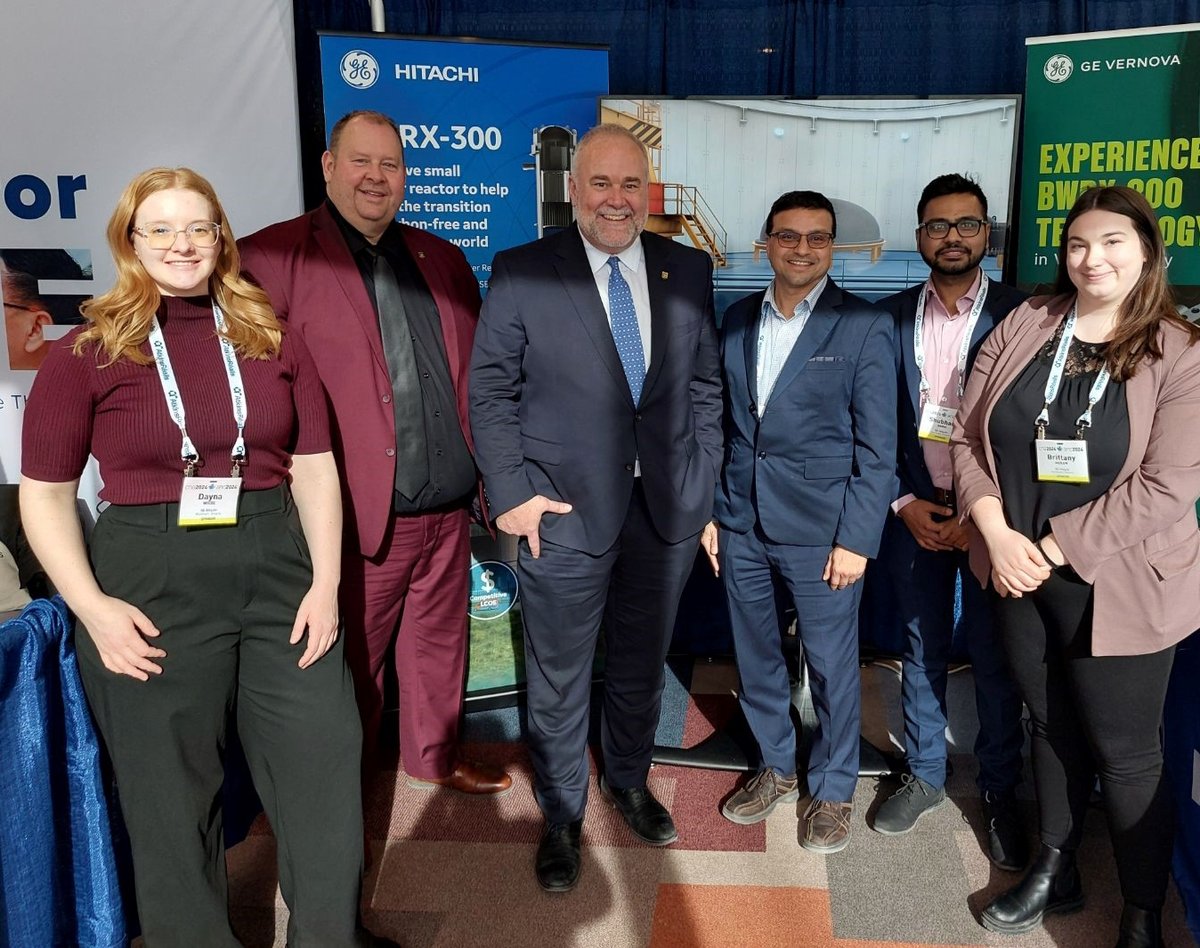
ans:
(632, 590)
(827, 622)
(923, 583)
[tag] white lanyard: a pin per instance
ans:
(1056, 373)
(233, 373)
(767, 324)
(963, 351)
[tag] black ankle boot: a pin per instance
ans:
(1051, 885)
(1140, 928)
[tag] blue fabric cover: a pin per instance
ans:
(58, 877)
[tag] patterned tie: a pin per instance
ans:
(625, 329)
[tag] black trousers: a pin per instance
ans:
(1093, 716)
(224, 600)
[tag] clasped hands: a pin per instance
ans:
(1018, 566)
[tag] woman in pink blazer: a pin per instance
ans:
(1077, 462)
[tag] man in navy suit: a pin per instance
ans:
(596, 413)
(809, 464)
(940, 325)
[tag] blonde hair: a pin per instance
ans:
(120, 319)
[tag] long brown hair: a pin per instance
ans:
(120, 319)
(1150, 303)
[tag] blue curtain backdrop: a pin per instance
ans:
(801, 48)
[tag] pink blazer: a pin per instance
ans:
(314, 284)
(1138, 544)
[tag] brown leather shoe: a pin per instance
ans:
(469, 777)
(826, 826)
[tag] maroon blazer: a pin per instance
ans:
(314, 284)
(1138, 543)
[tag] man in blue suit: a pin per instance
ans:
(940, 325)
(596, 413)
(809, 464)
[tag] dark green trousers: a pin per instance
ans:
(224, 599)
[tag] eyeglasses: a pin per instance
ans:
(966, 227)
(161, 236)
(28, 309)
(817, 240)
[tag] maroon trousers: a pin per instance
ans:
(415, 591)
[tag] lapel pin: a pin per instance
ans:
(663, 275)
(421, 254)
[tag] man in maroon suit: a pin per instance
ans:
(389, 313)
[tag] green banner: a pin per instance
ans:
(1112, 108)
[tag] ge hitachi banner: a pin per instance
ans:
(92, 99)
(472, 115)
(1113, 108)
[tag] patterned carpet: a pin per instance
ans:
(454, 872)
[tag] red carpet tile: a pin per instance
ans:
(715, 916)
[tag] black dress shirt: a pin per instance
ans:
(451, 467)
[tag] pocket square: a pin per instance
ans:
(827, 359)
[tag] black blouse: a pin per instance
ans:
(1029, 503)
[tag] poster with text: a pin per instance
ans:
(470, 114)
(1113, 108)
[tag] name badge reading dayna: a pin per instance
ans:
(209, 501)
(1062, 462)
(937, 421)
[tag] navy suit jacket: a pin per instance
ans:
(911, 472)
(551, 410)
(817, 468)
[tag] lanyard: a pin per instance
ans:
(963, 351)
(1056, 373)
(233, 374)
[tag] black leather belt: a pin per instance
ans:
(944, 497)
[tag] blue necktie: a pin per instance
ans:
(625, 331)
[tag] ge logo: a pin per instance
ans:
(359, 69)
(1058, 68)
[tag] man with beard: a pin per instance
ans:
(940, 325)
(596, 413)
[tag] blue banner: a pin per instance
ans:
(468, 112)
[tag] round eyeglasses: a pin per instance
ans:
(161, 236)
(966, 227)
(817, 240)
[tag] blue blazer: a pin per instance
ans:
(817, 468)
(911, 473)
(551, 410)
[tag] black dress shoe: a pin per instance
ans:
(558, 859)
(1140, 928)
(649, 819)
(1051, 886)
(1007, 841)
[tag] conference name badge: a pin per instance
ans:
(937, 421)
(1061, 462)
(209, 501)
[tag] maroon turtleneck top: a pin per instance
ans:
(119, 413)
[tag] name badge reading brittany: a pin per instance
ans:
(1061, 462)
(209, 501)
(937, 421)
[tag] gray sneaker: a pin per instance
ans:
(899, 812)
(755, 801)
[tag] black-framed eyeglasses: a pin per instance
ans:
(161, 235)
(966, 226)
(817, 240)
(28, 309)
